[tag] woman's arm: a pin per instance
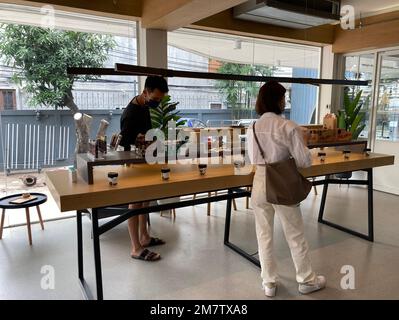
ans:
(298, 148)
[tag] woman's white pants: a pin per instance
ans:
(291, 221)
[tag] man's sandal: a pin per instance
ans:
(147, 255)
(155, 242)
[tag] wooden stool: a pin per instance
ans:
(5, 204)
(247, 198)
(172, 213)
(209, 204)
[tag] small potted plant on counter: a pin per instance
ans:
(160, 118)
(351, 119)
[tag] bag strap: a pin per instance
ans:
(257, 142)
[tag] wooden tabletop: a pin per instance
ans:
(335, 163)
(112, 156)
(142, 182)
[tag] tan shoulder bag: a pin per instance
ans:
(284, 183)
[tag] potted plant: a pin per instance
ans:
(160, 117)
(351, 119)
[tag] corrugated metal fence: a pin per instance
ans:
(34, 146)
(32, 140)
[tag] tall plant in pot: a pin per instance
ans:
(351, 119)
(160, 118)
(165, 112)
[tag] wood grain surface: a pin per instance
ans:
(142, 182)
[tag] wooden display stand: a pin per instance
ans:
(85, 165)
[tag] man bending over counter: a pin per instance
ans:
(135, 122)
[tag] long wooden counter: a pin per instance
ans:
(139, 182)
(142, 182)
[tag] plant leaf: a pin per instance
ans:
(357, 132)
(354, 103)
(356, 122)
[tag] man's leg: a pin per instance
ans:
(138, 251)
(133, 226)
(145, 238)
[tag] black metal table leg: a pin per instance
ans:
(80, 244)
(370, 204)
(369, 183)
(323, 199)
(97, 255)
(228, 218)
(227, 235)
(82, 282)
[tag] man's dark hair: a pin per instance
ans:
(269, 98)
(156, 82)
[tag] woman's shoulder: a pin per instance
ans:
(290, 127)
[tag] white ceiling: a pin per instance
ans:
(372, 7)
(251, 51)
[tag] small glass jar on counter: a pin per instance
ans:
(366, 152)
(202, 168)
(165, 173)
(346, 154)
(322, 156)
(113, 178)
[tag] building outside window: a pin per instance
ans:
(194, 50)
(106, 92)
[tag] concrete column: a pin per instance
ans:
(328, 61)
(331, 96)
(152, 49)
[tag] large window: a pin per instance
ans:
(213, 52)
(387, 119)
(37, 45)
(106, 41)
(361, 67)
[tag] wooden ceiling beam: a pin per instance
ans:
(173, 14)
(375, 32)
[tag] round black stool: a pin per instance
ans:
(6, 204)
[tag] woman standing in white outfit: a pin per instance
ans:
(280, 139)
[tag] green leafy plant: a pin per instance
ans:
(41, 57)
(165, 112)
(160, 117)
(238, 91)
(350, 118)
